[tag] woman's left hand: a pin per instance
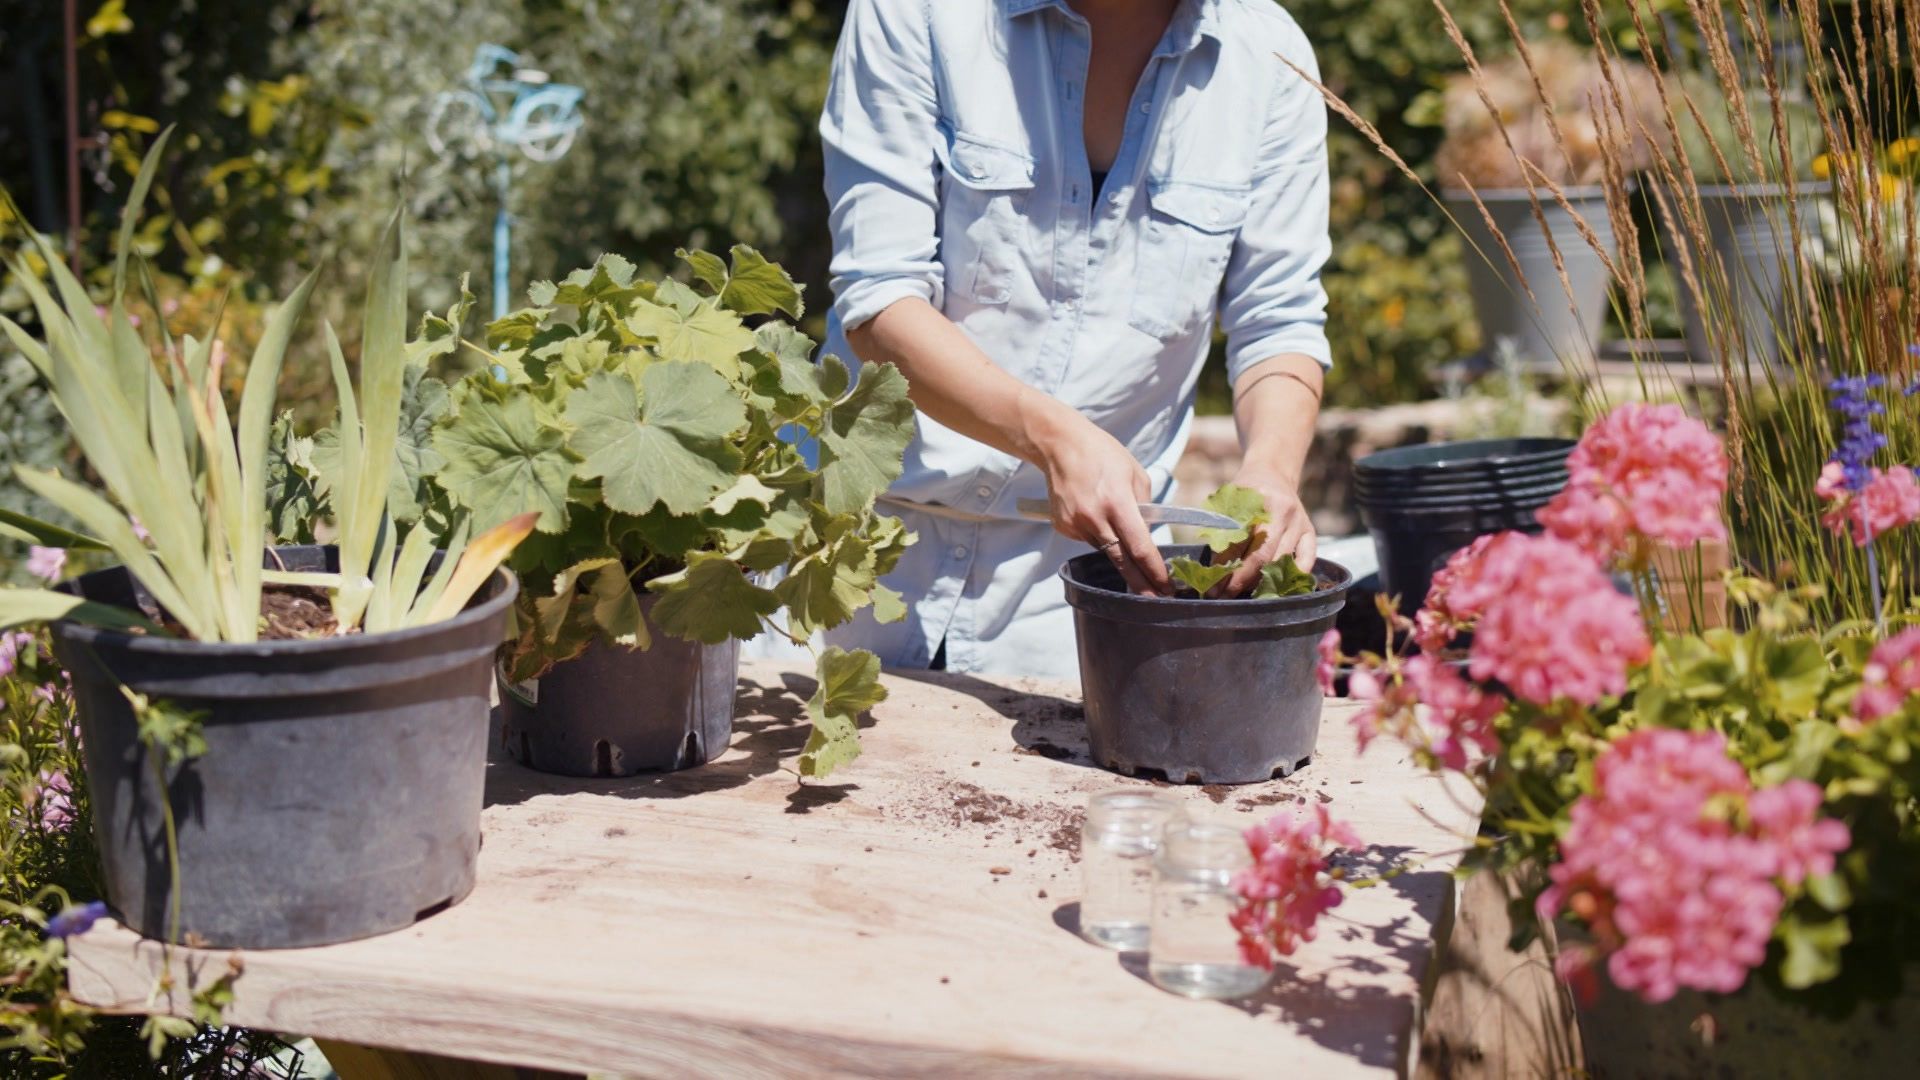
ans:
(1288, 531)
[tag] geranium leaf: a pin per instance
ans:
(440, 335)
(1244, 505)
(504, 458)
(1198, 576)
(849, 686)
(758, 287)
(710, 601)
(682, 326)
(708, 269)
(824, 589)
(888, 606)
(616, 610)
(663, 446)
(864, 438)
(660, 532)
(1283, 577)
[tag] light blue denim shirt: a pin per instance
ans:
(957, 173)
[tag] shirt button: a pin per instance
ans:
(959, 551)
(1146, 106)
(985, 491)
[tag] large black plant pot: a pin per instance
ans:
(1200, 691)
(339, 794)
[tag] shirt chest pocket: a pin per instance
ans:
(1184, 245)
(983, 211)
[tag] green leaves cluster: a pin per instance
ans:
(1781, 691)
(1281, 577)
(653, 431)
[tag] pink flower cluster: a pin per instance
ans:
(54, 799)
(1549, 624)
(1457, 726)
(1891, 677)
(1677, 887)
(1329, 664)
(12, 644)
(1641, 473)
(1287, 889)
(46, 563)
(1441, 617)
(1890, 499)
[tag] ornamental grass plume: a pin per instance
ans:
(1289, 886)
(1676, 890)
(1891, 679)
(1641, 475)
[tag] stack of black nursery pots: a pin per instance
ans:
(1423, 503)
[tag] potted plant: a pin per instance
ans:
(1521, 169)
(1730, 213)
(286, 746)
(1196, 688)
(697, 481)
(1717, 824)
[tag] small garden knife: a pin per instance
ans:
(1151, 513)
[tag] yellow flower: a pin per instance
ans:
(1890, 188)
(1901, 151)
(1823, 168)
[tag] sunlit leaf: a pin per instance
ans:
(849, 685)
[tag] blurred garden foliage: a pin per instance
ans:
(300, 118)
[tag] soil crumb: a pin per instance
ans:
(288, 612)
(1045, 749)
(1217, 792)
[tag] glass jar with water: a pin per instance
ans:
(1193, 950)
(1117, 841)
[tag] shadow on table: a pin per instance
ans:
(769, 731)
(1345, 1019)
(1046, 725)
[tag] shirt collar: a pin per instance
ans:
(1193, 20)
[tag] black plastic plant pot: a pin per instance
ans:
(1417, 483)
(1413, 544)
(339, 793)
(1199, 691)
(1460, 460)
(615, 711)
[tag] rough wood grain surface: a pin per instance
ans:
(913, 916)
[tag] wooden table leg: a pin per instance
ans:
(354, 1062)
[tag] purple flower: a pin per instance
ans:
(1850, 396)
(76, 920)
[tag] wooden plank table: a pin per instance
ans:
(913, 915)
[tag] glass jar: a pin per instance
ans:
(1193, 950)
(1117, 841)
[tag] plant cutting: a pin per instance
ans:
(286, 744)
(1707, 814)
(1228, 549)
(1200, 689)
(661, 443)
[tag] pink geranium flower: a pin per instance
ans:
(1641, 474)
(1459, 714)
(46, 563)
(1889, 500)
(1675, 892)
(1443, 615)
(1287, 889)
(1329, 665)
(1891, 677)
(1552, 625)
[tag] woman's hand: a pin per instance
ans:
(1288, 531)
(1096, 486)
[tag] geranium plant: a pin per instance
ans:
(661, 442)
(1700, 806)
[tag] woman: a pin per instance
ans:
(1038, 209)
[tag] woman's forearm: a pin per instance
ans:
(952, 381)
(1275, 405)
(1093, 482)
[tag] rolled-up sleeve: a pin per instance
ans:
(1272, 301)
(878, 131)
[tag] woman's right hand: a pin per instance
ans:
(1095, 486)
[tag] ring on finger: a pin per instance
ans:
(1107, 546)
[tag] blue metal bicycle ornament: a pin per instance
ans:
(503, 108)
